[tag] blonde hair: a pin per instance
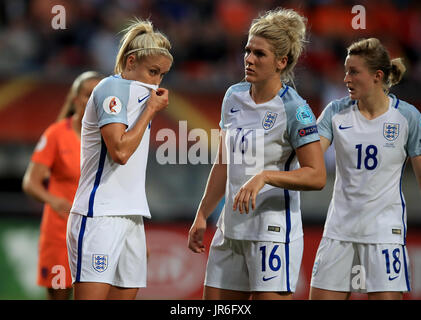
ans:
(68, 108)
(285, 30)
(376, 58)
(141, 39)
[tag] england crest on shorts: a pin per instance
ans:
(391, 131)
(100, 262)
(269, 120)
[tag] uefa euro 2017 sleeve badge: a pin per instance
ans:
(304, 115)
(391, 131)
(269, 120)
(100, 262)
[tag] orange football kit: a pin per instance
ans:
(59, 150)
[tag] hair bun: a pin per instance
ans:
(285, 29)
(397, 70)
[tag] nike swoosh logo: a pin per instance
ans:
(343, 128)
(267, 279)
(234, 110)
(140, 100)
(392, 278)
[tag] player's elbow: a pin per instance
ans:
(319, 185)
(319, 180)
(120, 157)
(25, 185)
(315, 180)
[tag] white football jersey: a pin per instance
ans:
(264, 136)
(367, 204)
(106, 187)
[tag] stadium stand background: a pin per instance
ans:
(38, 63)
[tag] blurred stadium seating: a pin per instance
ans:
(38, 63)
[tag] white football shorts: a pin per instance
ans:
(249, 266)
(361, 267)
(107, 249)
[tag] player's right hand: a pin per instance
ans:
(158, 100)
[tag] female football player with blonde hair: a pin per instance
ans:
(106, 239)
(257, 248)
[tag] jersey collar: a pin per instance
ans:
(395, 100)
(147, 85)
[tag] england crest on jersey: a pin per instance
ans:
(100, 262)
(391, 131)
(269, 120)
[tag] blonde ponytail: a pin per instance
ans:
(397, 70)
(141, 39)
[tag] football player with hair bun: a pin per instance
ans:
(257, 248)
(374, 134)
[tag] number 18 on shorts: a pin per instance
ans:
(360, 267)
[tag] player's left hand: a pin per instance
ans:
(248, 192)
(196, 234)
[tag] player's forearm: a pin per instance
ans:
(303, 179)
(416, 166)
(37, 191)
(215, 190)
(131, 139)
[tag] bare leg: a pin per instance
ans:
(322, 294)
(91, 290)
(272, 296)
(211, 293)
(388, 295)
(59, 294)
(117, 293)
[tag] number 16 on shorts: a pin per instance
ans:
(279, 265)
(273, 261)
